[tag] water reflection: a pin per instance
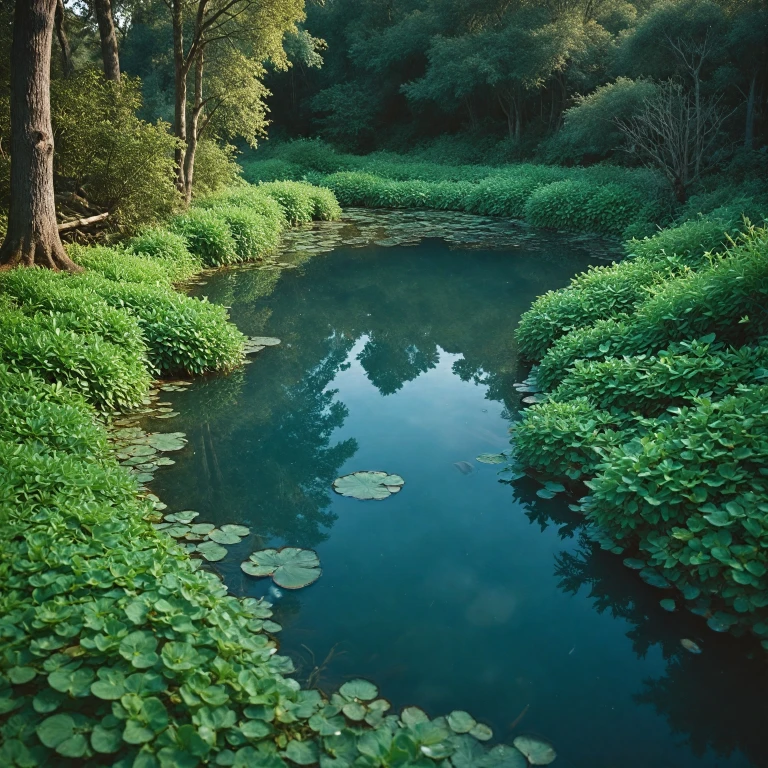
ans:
(460, 591)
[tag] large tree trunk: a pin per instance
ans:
(193, 130)
(33, 236)
(108, 37)
(180, 92)
(61, 34)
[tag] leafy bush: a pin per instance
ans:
(107, 374)
(182, 333)
(171, 247)
(313, 155)
(275, 169)
(47, 416)
(124, 164)
(564, 439)
(599, 293)
(507, 195)
(727, 299)
(215, 167)
(118, 264)
(295, 198)
(589, 129)
(692, 497)
(688, 242)
(674, 377)
(208, 236)
(252, 197)
(353, 188)
(254, 235)
(325, 206)
(579, 205)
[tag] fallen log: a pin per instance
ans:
(79, 223)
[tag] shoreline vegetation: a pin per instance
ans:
(117, 647)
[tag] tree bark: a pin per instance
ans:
(33, 237)
(193, 130)
(109, 54)
(61, 34)
(180, 91)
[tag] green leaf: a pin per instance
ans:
(139, 648)
(212, 551)
(106, 740)
(21, 675)
(368, 485)
(290, 567)
(55, 730)
(537, 751)
(461, 722)
(491, 458)
(302, 752)
(359, 689)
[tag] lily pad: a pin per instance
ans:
(491, 458)
(264, 341)
(212, 551)
(166, 442)
(239, 530)
(187, 516)
(537, 751)
(202, 529)
(289, 567)
(224, 537)
(481, 732)
(461, 722)
(363, 690)
(368, 485)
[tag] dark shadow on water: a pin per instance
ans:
(461, 591)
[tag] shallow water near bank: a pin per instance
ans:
(460, 592)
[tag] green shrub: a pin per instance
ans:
(674, 377)
(124, 165)
(118, 264)
(599, 293)
(583, 206)
(353, 188)
(256, 171)
(507, 195)
(295, 198)
(313, 155)
(48, 416)
(215, 167)
(107, 374)
(208, 236)
(726, 299)
(688, 242)
(182, 333)
(564, 439)
(325, 206)
(691, 498)
(254, 235)
(252, 197)
(79, 309)
(171, 247)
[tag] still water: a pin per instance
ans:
(461, 591)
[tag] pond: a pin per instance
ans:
(461, 591)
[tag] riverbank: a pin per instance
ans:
(117, 647)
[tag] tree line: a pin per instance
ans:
(65, 132)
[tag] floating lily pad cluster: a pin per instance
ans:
(204, 539)
(289, 567)
(256, 343)
(368, 485)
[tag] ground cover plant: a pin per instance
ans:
(115, 647)
(652, 394)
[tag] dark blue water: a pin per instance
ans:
(461, 591)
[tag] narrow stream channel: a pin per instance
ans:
(461, 591)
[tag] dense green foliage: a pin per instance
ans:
(115, 647)
(656, 369)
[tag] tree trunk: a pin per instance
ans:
(749, 129)
(194, 130)
(180, 92)
(108, 39)
(61, 34)
(32, 237)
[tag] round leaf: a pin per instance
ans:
(461, 722)
(537, 751)
(359, 689)
(368, 485)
